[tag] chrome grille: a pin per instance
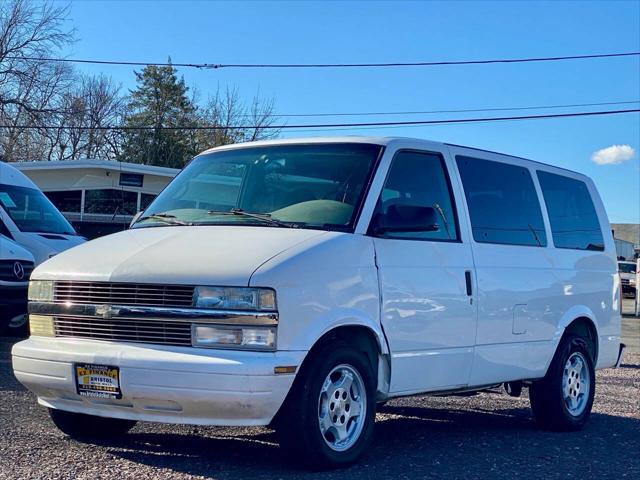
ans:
(7, 272)
(139, 331)
(150, 295)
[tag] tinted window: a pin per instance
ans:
(145, 200)
(70, 201)
(503, 203)
(110, 201)
(573, 218)
(31, 211)
(420, 179)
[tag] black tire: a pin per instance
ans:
(297, 422)
(89, 427)
(547, 396)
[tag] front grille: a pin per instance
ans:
(8, 270)
(139, 331)
(149, 295)
(625, 281)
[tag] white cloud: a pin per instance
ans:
(613, 154)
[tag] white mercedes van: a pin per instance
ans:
(16, 265)
(298, 283)
(30, 219)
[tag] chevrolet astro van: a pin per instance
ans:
(299, 283)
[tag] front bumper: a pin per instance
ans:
(159, 383)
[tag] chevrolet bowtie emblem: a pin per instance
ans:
(106, 311)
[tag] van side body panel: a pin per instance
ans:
(528, 295)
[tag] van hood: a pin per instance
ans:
(187, 255)
(10, 250)
(46, 245)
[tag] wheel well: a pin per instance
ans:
(584, 328)
(357, 336)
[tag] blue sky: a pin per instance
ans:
(252, 32)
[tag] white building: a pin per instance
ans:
(98, 196)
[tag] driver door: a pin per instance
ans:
(428, 308)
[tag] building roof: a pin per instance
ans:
(98, 164)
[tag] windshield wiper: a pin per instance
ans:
(164, 217)
(264, 217)
(535, 235)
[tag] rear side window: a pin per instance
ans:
(573, 218)
(503, 203)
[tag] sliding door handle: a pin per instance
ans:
(467, 278)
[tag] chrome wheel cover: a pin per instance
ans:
(576, 384)
(342, 408)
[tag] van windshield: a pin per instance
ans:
(627, 267)
(315, 186)
(31, 211)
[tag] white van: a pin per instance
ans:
(30, 219)
(323, 276)
(16, 265)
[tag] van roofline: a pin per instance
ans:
(383, 141)
(515, 156)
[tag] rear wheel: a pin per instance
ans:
(562, 401)
(327, 420)
(89, 427)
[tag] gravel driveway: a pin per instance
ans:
(489, 435)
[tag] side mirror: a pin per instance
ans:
(406, 218)
(135, 218)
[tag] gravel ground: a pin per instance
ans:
(482, 436)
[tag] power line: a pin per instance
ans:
(217, 66)
(495, 109)
(330, 125)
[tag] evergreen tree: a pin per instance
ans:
(160, 101)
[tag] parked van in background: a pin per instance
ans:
(16, 265)
(30, 219)
(627, 272)
(298, 283)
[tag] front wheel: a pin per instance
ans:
(327, 420)
(562, 401)
(89, 427)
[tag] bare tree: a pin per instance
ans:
(29, 88)
(237, 121)
(83, 118)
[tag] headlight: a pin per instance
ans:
(235, 298)
(216, 336)
(632, 281)
(41, 290)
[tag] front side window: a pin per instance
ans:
(627, 267)
(573, 218)
(503, 203)
(31, 211)
(315, 186)
(420, 180)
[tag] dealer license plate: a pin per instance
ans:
(98, 381)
